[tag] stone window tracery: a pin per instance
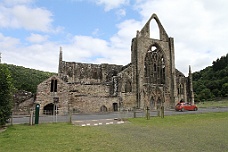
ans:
(154, 66)
(180, 89)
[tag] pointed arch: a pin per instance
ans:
(154, 30)
(103, 108)
(54, 84)
(155, 65)
(145, 32)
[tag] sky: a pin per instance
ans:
(100, 31)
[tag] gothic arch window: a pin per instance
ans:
(152, 103)
(54, 85)
(180, 89)
(128, 87)
(154, 66)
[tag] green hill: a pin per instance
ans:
(25, 78)
(212, 82)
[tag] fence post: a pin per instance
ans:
(162, 112)
(70, 112)
(31, 117)
(147, 113)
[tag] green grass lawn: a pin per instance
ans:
(207, 104)
(199, 132)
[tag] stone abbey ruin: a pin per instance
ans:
(150, 80)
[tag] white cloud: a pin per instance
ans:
(43, 57)
(37, 38)
(16, 2)
(111, 4)
(126, 31)
(26, 17)
(199, 29)
(7, 42)
(121, 13)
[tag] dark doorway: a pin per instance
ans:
(152, 103)
(103, 108)
(48, 109)
(115, 107)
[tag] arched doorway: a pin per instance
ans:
(48, 109)
(152, 103)
(103, 108)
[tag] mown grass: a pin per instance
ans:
(201, 132)
(216, 104)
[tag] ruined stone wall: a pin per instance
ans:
(125, 88)
(90, 98)
(86, 73)
(84, 90)
(182, 85)
(91, 103)
(128, 100)
(22, 102)
(24, 107)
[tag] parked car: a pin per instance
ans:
(182, 106)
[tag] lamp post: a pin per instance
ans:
(55, 111)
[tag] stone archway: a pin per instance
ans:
(103, 108)
(48, 109)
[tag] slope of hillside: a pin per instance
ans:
(27, 79)
(212, 82)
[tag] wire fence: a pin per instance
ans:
(50, 116)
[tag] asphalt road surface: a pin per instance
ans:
(21, 119)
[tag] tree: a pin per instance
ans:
(225, 89)
(6, 89)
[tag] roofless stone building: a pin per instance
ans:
(150, 80)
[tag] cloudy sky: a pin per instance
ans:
(100, 31)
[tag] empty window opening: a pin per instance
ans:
(154, 30)
(180, 89)
(128, 87)
(53, 85)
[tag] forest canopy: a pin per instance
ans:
(212, 82)
(27, 79)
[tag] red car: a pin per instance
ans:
(185, 106)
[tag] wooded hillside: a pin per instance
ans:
(212, 82)
(25, 78)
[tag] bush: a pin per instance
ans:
(6, 89)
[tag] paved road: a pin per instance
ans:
(96, 116)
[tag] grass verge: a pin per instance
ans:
(217, 104)
(201, 132)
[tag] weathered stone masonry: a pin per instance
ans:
(150, 80)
